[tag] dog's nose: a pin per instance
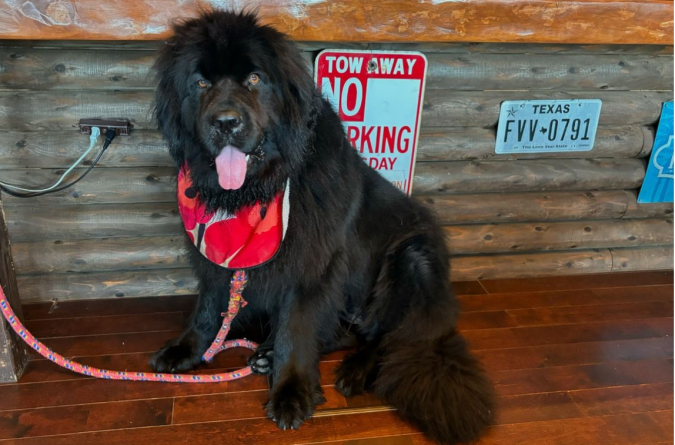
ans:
(227, 121)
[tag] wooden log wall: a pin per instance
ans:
(118, 233)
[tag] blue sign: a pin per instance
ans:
(547, 126)
(658, 183)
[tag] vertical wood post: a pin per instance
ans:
(13, 351)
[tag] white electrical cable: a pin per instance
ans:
(95, 133)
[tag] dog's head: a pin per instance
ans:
(233, 99)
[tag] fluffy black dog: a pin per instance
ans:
(360, 262)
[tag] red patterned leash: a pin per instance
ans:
(237, 285)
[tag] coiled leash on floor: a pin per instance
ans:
(237, 285)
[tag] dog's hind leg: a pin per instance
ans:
(358, 370)
(390, 299)
(427, 371)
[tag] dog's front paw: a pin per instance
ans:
(177, 355)
(292, 402)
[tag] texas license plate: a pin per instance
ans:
(544, 126)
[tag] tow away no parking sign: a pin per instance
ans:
(378, 95)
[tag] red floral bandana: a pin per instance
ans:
(247, 239)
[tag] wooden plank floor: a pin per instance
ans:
(575, 360)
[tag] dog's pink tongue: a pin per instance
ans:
(231, 167)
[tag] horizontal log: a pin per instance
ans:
(101, 186)
(62, 110)
(647, 210)
(527, 175)
(181, 281)
(542, 236)
(157, 184)
(145, 148)
(481, 108)
(45, 69)
(469, 143)
(590, 21)
(529, 206)
(81, 286)
(159, 252)
(426, 47)
(63, 222)
(523, 265)
(40, 223)
(548, 72)
(42, 69)
(50, 149)
(642, 258)
(648, 141)
(96, 255)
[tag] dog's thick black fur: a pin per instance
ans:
(361, 261)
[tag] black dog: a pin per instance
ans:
(360, 260)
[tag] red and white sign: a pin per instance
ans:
(378, 95)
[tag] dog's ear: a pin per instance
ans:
(172, 79)
(166, 109)
(297, 82)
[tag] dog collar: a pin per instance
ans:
(246, 239)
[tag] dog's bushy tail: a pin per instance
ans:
(438, 386)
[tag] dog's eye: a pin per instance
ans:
(253, 79)
(202, 83)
